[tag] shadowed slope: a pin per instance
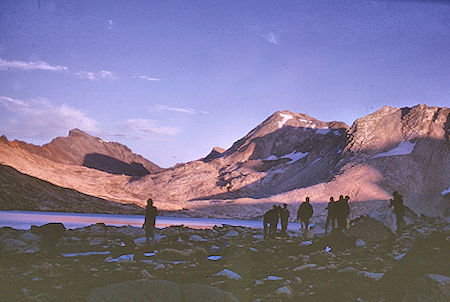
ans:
(22, 192)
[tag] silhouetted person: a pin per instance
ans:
(340, 213)
(276, 220)
(399, 209)
(331, 217)
(304, 214)
(346, 212)
(284, 217)
(270, 221)
(150, 217)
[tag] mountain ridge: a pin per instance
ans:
(283, 159)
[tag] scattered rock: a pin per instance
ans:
(196, 238)
(305, 243)
(374, 276)
(360, 243)
(186, 254)
(284, 291)
(231, 233)
(273, 278)
(122, 259)
(229, 274)
(429, 288)
(12, 246)
(158, 290)
(304, 267)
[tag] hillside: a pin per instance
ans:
(20, 191)
(285, 158)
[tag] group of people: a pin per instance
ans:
(278, 213)
(338, 213)
(271, 218)
(337, 217)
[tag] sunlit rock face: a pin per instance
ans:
(285, 158)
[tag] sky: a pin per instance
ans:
(173, 79)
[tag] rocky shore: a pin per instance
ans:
(105, 263)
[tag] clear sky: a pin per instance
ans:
(173, 79)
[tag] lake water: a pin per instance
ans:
(25, 219)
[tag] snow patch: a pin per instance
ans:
(214, 258)
(323, 131)
(295, 156)
(286, 117)
(404, 148)
(316, 160)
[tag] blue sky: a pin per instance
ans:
(173, 79)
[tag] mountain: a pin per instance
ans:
(285, 158)
(20, 191)
(80, 148)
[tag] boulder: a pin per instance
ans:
(130, 232)
(29, 237)
(186, 254)
(285, 291)
(229, 274)
(12, 246)
(231, 233)
(370, 230)
(158, 291)
(196, 238)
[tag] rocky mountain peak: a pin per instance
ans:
(77, 132)
(388, 127)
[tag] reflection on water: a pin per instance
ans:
(24, 220)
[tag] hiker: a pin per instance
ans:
(340, 213)
(346, 212)
(276, 218)
(150, 217)
(270, 219)
(331, 217)
(284, 216)
(304, 213)
(399, 209)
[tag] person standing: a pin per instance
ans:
(270, 220)
(304, 214)
(284, 217)
(346, 212)
(150, 217)
(399, 209)
(331, 217)
(340, 213)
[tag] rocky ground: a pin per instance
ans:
(368, 263)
